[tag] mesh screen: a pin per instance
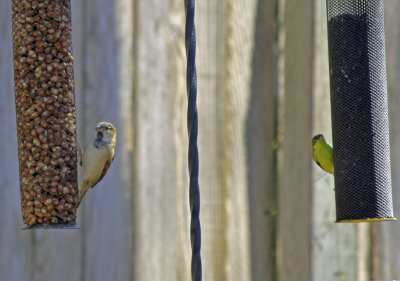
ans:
(45, 107)
(359, 109)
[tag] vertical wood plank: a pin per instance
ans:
(238, 65)
(162, 246)
(79, 27)
(385, 236)
(56, 257)
(105, 217)
(335, 247)
(124, 26)
(260, 135)
(16, 245)
(210, 25)
(293, 248)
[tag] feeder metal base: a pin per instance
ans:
(366, 220)
(52, 226)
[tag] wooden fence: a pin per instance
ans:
(267, 211)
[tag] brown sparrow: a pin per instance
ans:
(97, 157)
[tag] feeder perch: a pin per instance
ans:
(360, 126)
(45, 108)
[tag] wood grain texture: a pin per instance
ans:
(130, 68)
(162, 246)
(237, 94)
(105, 217)
(260, 137)
(213, 182)
(385, 236)
(294, 221)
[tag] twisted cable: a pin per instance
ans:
(193, 155)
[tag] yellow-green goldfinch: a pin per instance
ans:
(322, 153)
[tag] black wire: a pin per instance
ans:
(193, 155)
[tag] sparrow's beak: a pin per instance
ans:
(99, 131)
(99, 135)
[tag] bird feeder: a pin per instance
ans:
(360, 127)
(45, 108)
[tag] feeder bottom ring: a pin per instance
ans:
(366, 220)
(71, 225)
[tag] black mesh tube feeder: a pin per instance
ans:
(360, 126)
(45, 108)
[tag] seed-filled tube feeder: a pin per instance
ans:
(45, 108)
(360, 126)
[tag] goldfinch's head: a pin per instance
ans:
(317, 138)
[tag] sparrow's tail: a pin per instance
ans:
(82, 193)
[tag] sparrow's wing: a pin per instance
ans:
(82, 193)
(105, 169)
